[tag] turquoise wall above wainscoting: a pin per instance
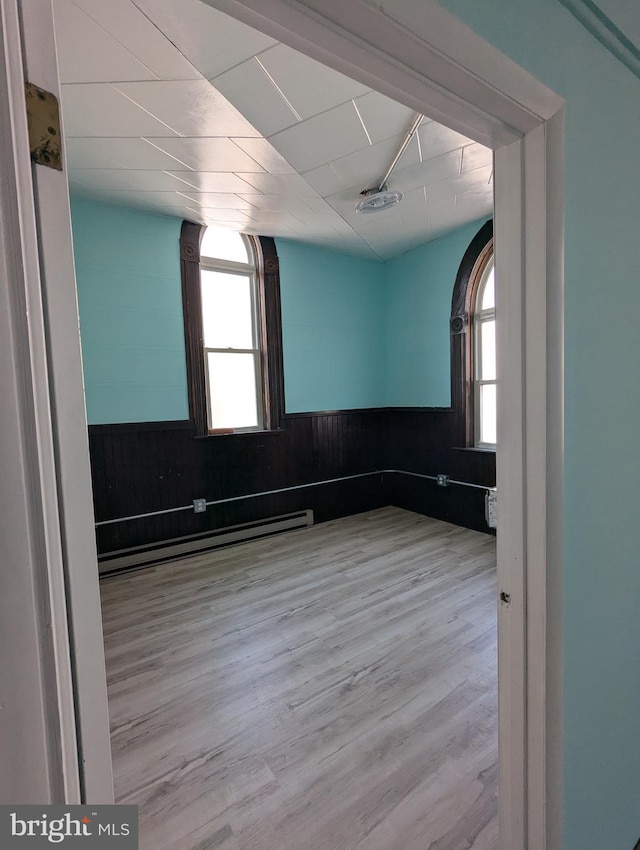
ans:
(418, 290)
(356, 333)
(332, 328)
(130, 303)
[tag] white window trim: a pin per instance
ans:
(245, 270)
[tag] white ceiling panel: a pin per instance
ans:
(255, 95)
(368, 227)
(443, 214)
(325, 180)
(217, 200)
(444, 167)
(118, 153)
(318, 205)
(167, 203)
(222, 214)
(238, 226)
(274, 144)
(472, 205)
(152, 181)
(214, 181)
(154, 202)
(280, 184)
(281, 217)
(414, 205)
(321, 139)
(310, 87)
(325, 225)
(192, 107)
(171, 201)
(211, 41)
(129, 26)
(98, 109)
(436, 139)
(476, 180)
(365, 168)
(88, 54)
(412, 233)
(91, 178)
(475, 156)
(95, 153)
(281, 203)
(265, 155)
(203, 154)
(382, 116)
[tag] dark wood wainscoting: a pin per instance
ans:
(147, 467)
(141, 468)
(421, 441)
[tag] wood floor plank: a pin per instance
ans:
(334, 688)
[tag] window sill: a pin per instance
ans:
(273, 432)
(480, 449)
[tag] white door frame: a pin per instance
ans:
(420, 55)
(39, 278)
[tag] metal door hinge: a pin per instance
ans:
(43, 118)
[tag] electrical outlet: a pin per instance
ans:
(199, 506)
(491, 507)
(443, 480)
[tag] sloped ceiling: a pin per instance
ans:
(172, 106)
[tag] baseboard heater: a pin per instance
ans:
(137, 557)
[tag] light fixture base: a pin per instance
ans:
(378, 202)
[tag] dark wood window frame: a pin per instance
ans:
(461, 328)
(268, 283)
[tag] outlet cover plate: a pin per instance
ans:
(199, 506)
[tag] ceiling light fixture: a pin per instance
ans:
(378, 201)
(381, 198)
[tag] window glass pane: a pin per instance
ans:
(226, 310)
(489, 291)
(232, 388)
(222, 244)
(487, 350)
(488, 413)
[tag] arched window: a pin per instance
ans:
(484, 356)
(231, 299)
(473, 355)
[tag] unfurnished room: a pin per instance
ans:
(287, 312)
(318, 357)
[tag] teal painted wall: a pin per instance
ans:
(419, 286)
(130, 302)
(356, 333)
(332, 328)
(601, 572)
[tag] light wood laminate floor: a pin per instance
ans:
(329, 689)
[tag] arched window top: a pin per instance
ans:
(486, 297)
(484, 353)
(220, 244)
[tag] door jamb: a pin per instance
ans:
(427, 59)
